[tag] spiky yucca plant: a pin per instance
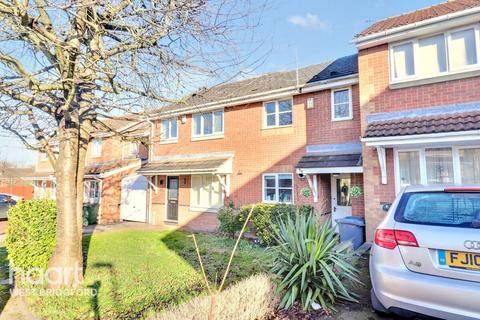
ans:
(311, 264)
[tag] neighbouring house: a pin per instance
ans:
(114, 154)
(419, 76)
(13, 183)
(262, 139)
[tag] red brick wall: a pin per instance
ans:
(320, 128)
(377, 96)
(256, 150)
(259, 150)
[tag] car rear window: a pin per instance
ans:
(453, 209)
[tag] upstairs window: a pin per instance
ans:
(208, 124)
(278, 113)
(169, 130)
(342, 104)
(444, 53)
(403, 65)
(97, 147)
(463, 49)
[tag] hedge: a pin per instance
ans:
(264, 217)
(30, 237)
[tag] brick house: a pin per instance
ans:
(110, 169)
(262, 139)
(419, 75)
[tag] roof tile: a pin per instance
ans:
(420, 15)
(424, 125)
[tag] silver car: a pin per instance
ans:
(426, 255)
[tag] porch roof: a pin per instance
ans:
(408, 126)
(330, 163)
(175, 166)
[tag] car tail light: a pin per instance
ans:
(390, 239)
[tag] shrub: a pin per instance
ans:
(264, 214)
(30, 237)
(250, 299)
(310, 263)
(229, 220)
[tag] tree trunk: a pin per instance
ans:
(66, 265)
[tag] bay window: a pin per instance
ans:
(449, 52)
(278, 188)
(206, 193)
(430, 166)
(208, 124)
(409, 168)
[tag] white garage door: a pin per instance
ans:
(134, 198)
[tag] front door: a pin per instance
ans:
(341, 199)
(172, 198)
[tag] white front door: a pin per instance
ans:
(341, 199)
(134, 198)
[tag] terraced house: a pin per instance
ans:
(259, 140)
(112, 187)
(419, 77)
(403, 111)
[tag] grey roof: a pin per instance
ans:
(330, 161)
(340, 67)
(271, 81)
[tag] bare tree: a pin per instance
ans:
(66, 63)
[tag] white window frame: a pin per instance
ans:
(277, 114)
(350, 106)
(87, 196)
(127, 149)
(213, 209)
(168, 139)
(277, 187)
(97, 149)
(449, 70)
(457, 175)
(212, 135)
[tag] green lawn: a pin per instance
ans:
(139, 272)
(4, 289)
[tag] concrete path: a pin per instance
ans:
(16, 309)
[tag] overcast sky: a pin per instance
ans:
(296, 32)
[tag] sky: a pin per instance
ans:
(296, 33)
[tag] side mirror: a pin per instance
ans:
(386, 207)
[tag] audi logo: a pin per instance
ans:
(472, 244)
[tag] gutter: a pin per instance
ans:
(374, 39)
(263, 96)
(284, 92)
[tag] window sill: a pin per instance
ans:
(277, 127)
(173, 141)
(276, 202)
(434, 79)
(209, 137)
(342, 119)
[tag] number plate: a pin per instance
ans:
(457, 259)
